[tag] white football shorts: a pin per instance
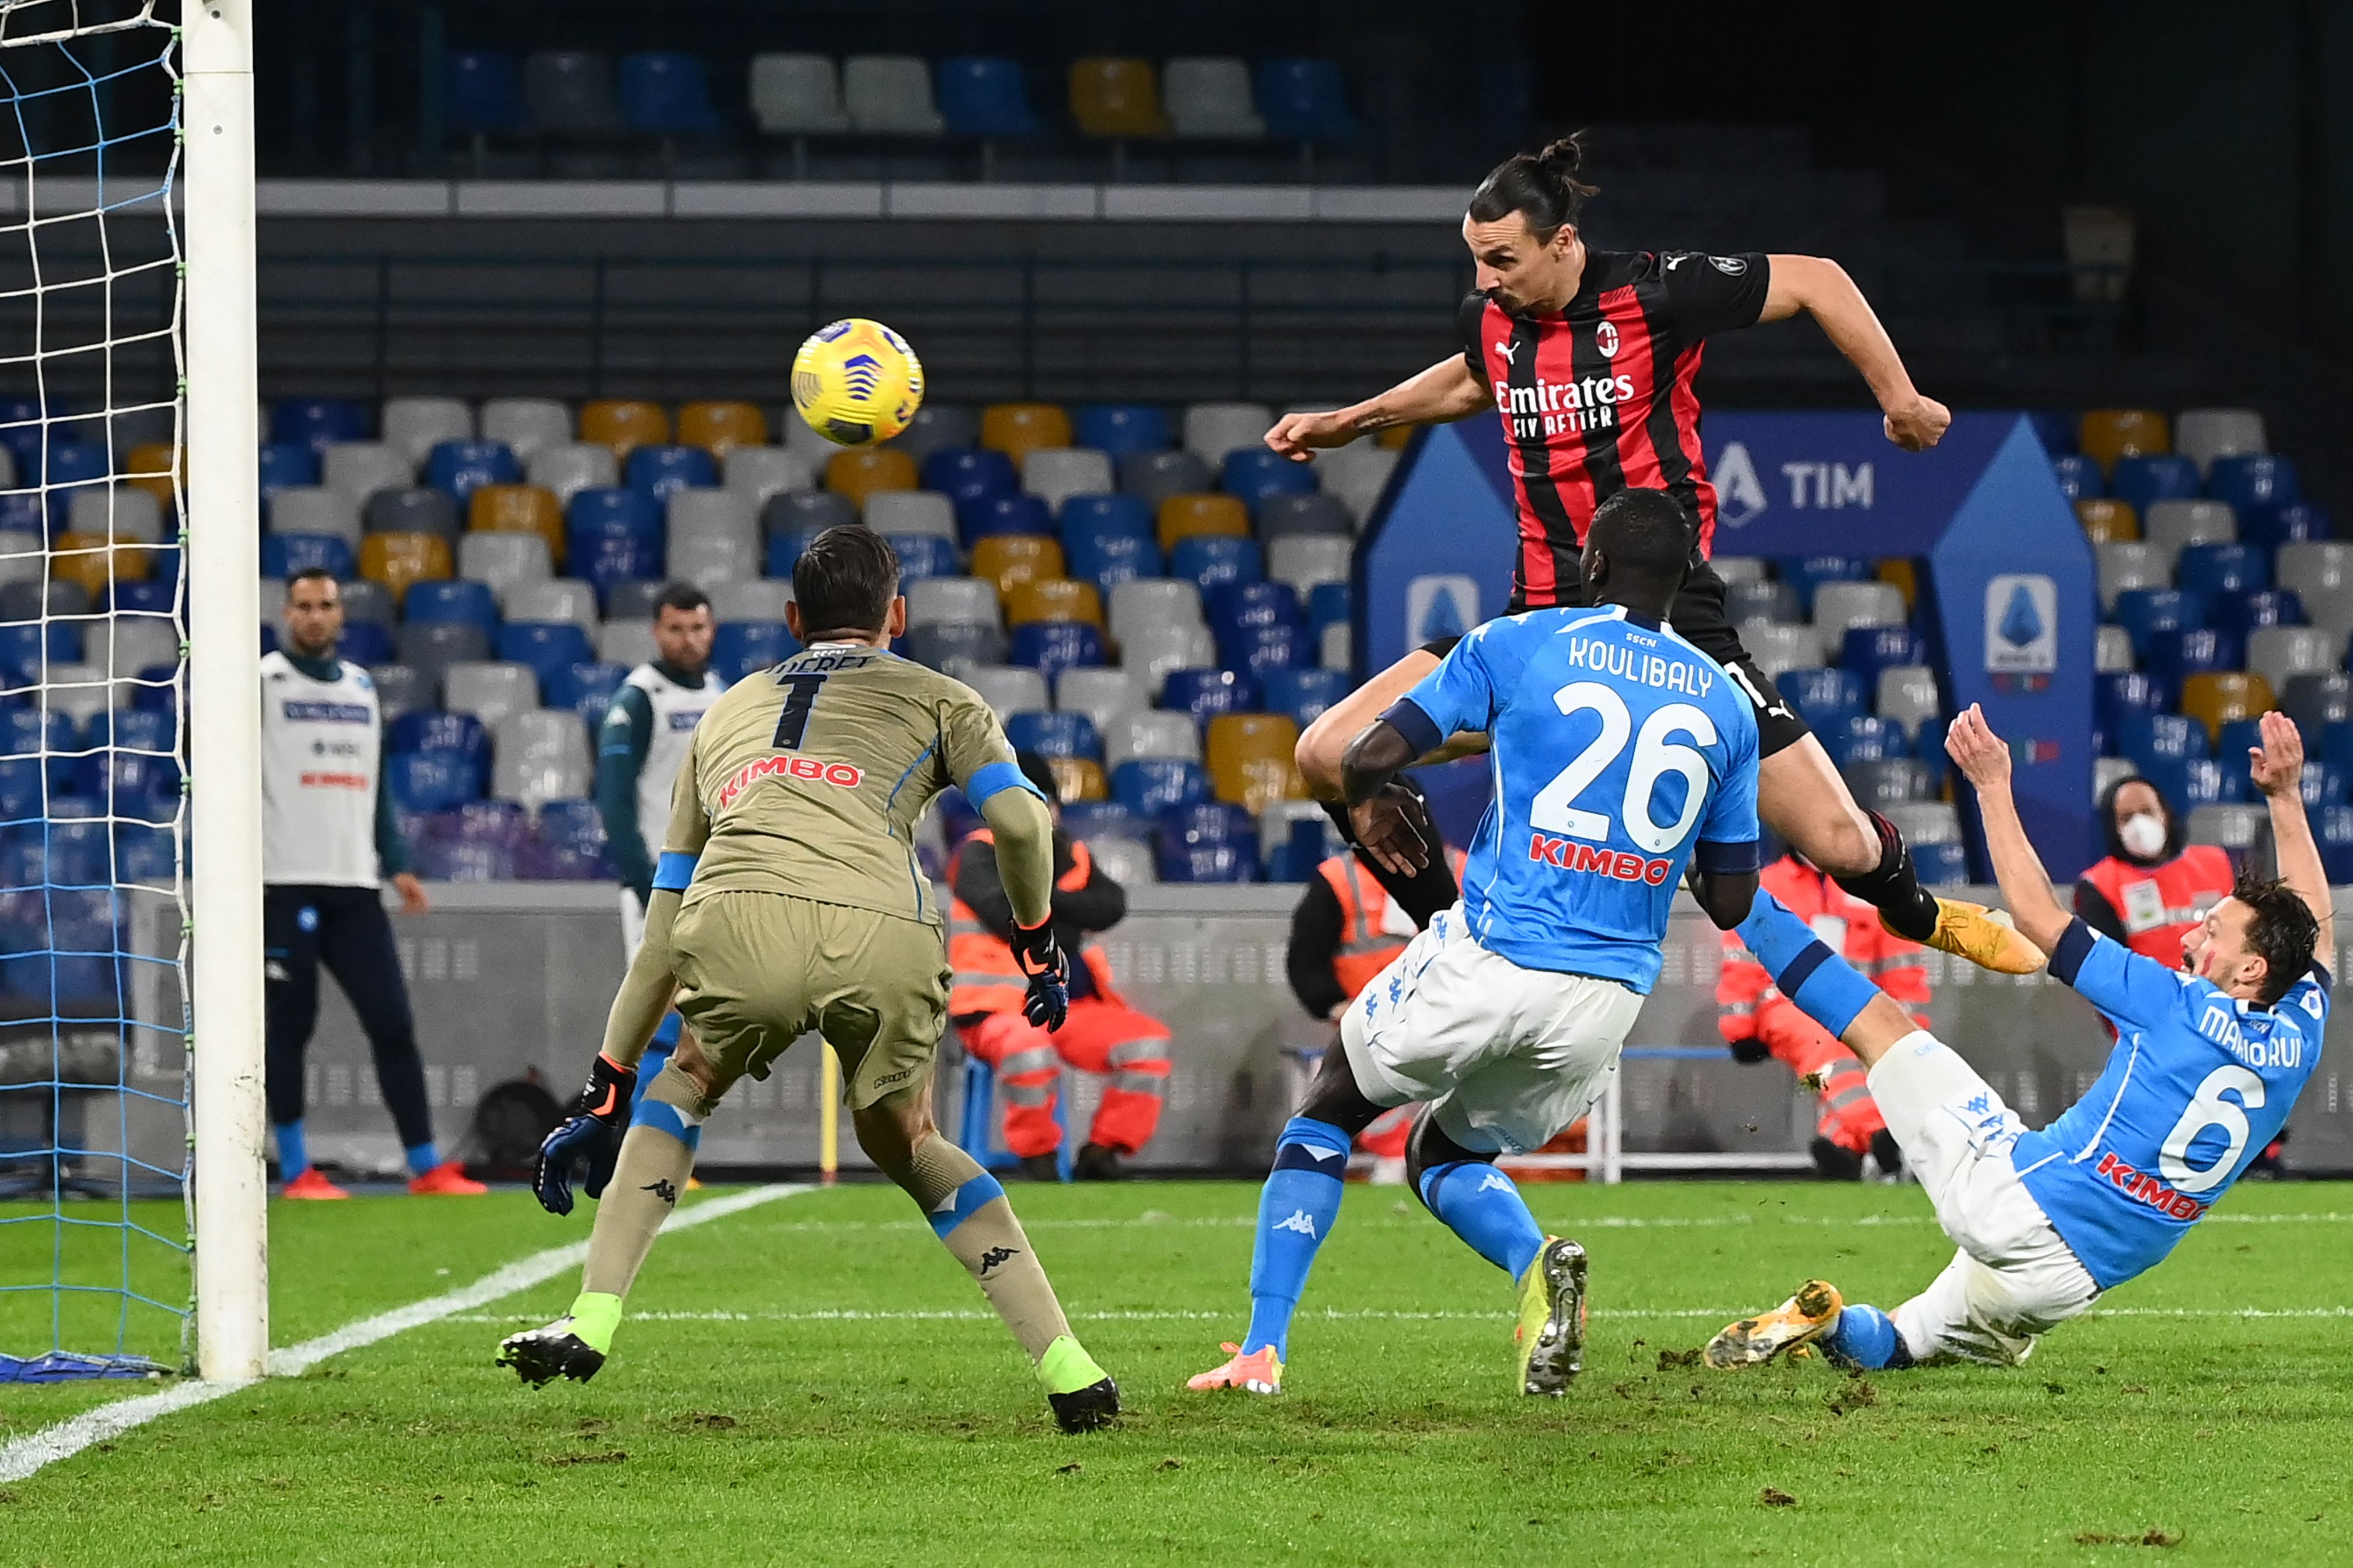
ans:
(2013, 1277)
(1508, 1057)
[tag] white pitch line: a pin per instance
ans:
(32, 1452)
(1329, 1314)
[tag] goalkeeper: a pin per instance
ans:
(786, 900)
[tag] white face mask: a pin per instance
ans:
(2143, 833)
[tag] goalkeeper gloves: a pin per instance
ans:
(1048, 971)
(593, 1133)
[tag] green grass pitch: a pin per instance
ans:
(814, 1381)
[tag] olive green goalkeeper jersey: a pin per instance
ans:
(807, 779)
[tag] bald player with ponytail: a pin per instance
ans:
(1589, 358)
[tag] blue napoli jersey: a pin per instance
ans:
(1617, 747)
(2198, 1084)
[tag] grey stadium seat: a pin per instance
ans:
(1304, 560)
(78, 691)
(1008, 688)
(489, 690)
(634, 599)
(1275, 824)
(570, 93)
(554, 599)
(1210, 97)
(1338, 650)
(750, 599)
(1760, 601)
(1925, 821)
(2169, 525)
(314, 509)
(571, 467)
(2322, 575)
(1055, 474)
(1356, 475)
(1154, 650)
(357, 469)
(411, 510)
(125, 644)
(414, 425)
(1124, 860)
(955, 649)
(399, 689)
(890, 95)
(1142, 603)
(539, 756)
(627, 642)
(430, 647)
(936, 427)
(2113, 650)
(1775, 648)
(2106, 771)
(366, 600)
(1739, 568)
(2279, 654)
(1151, 733)
(1280, 517)
(2203, 435)
(1100, 691)
(1214, 429)
(756, 473)
(123, 511)
(504, 560)
(2237, 828)
(529, 426)
(911, 511)
(272, 598)
(29, 599)
(794, 95)
(24, 557)
(1152, 477)
(1908, 694)
(713, 539)
(2313, 700)
(2131, 564)
(1840, 606)
(1888, 782)
(951, 602)
(805, 511)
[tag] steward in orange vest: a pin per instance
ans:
(2151, 889)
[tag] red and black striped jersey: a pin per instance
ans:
(1597, 398)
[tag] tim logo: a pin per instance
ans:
(1616, 865)
(862, 374)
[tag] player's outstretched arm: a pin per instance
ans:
(2277, 766)
(1983, 758)
(1447, 390)
(1820, 288)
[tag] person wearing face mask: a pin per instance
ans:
(2152, 889)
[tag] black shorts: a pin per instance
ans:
(1698, 618)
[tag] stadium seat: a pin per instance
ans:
(2152, 738)
(1209, 98)
(1100, 821)
(911, 512)
(414, 425)
(890, 95)
(287, 467)
(1203, 694)
(1079, 779)
(1908, 694)
(799, 513)
(1150, 786)
(750, 599)
(2203, 435)
(1009, 689)
(1303, 694)
(462, 466)
(796, 95)
(1116, 97)
(481, 93)
(1007, 559)
(2145, 612)
(2247, 610)
(1807, 575)
(1282, 516)
(2234, 828)
(397, 560)
(1761, 600)
(637, 599)
(981, 95)
(1053, 734)
(1879, 783)
(937, 427)
(439, 734)
(2216, 698)
(1824, 698)
(2132, 563)
(628, 643)
(541, 756)
(519, 509)
(1099, 694)
(357, 469)
(1109, 539)
(663, 470)
(317, 423)
(1231, 608)
(315, 509)
(2255, 479)
(2175, 655)
(1051, 647)
(490, 691)
(546, 646)
(1150, 734)
(2144, 481)
(1305, 100)
(2107, 522)
(432, 781)
(453, 600)
(1154, 477)
(1018, 429)
(567, 469)
(1119, 429)
(2079, 477)
(1153, 652)
(2315, 700)
(1052, 599)
(2321, 573)
(621, 426)
(1055, 474)
(667, 94)
(418, 510)
(2171, 526)
(1840, 606)
(953, 601)
(712, 538)
(1865, 738)
(968, 475)
(552, 600)
(980, 520)
(1306, 560)
(1775, 648)
(858, 473)
(1214, 429)
(2116, 698)
(570, 93)
(98, 560)
(1209, 560)
(758, 473)
(922, 555)
(1205, 843)
(1249, 758)
(2109, 433)
(528, 425)
(738, 648)
(2112, 649)
(2325, 783)
(368, 601)
(1188, 516)
(1867, 650)
(1254, 475)
(587, 690)
(2293, 522)
(618, 512)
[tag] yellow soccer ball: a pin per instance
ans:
(857, 383)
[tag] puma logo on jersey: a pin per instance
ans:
(1507, 348)
(1301, 1221)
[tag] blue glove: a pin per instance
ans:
(1048, 971)
(592, 1134)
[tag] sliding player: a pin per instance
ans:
(1590, 357)
(2208, 1062)
(1621, 752)
(787, 899)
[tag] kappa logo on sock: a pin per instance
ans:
(659, 1186)
(1495, 1179)
(995, 1255)
(1301, 1221)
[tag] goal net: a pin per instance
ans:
(96, 1227)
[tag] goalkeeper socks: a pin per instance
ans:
(595, 1315)
(1866, 1337)
(968, 1213)
(656, 1057)
(293, 1152)
(1295, 1211)
(1484, 1206)
(1826, 987)
(652, 1171)
(421, 1157)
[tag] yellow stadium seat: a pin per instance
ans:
(1018, 429)
(1249, 756)
(2108, 434)
(396, 560)
(862, 471)
(1116, 97)
(623, 424)
(2216, 698)
(1395, 438)
(95, 560)
(1182, 516)
(1009, 560)
(519, 509)
(1053, 599)
(151, 467)
(1077, 778)
(1904, 573)
(2107, 522)
(720, 427)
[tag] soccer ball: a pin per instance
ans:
(857, 383)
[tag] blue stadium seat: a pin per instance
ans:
(1054, 734)
(1106, 558)
(1101, 516)
(2145, 611)
(666, 94)
(69, 465)
(129, 729)
(458, 734)
(2079, 477)
(1150, 786)
(2214, 569)
(1928, 750)
(1305, 100)
(2293, 522)
(1209, 560)
(970, 473)
(78, 856)
(22, 430)
(144, 852)
(1207, 693)
(978, 519)
(2255, 479)
(2243, 613)
(1050, 648)
(659, 471)
(570, 844)
(2149, 738)
(620, 512)
(1867, 650)
(921, 555)
(2336, 742)
(740, 648)
(481, 93)
(588, 689)
(2237, 735)
(283, 554)
(319, 422)
(366, 643)
(607, 563)
(1092, 819)
(2057, 429)
(136, 785)
(1259, 649)
(980, 95)
(1865, 738)
(2146, 481)
(1940, 865)
(2193, 650)
(22, 784)
(1254, 473)
(475, 841)
(25, 734)
(1207, 844)
(1328, 603)
(433, 781)
(2325, 783)
(21, 511)
(2335, 831)
(1119, 429)
(1233, 608)
(1809, 573)
(1295, 856)
(1302, 693)
(461, 467)
(783, 552)
(546, 645)
(452, 599)
(1823, 698)
(285, 466)
(23, 645)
